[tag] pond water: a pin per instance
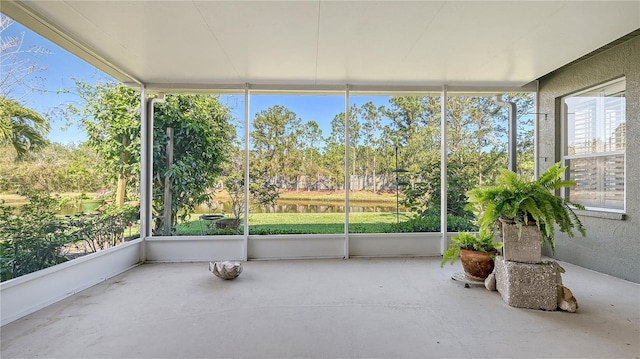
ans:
(297, 207)
(284, 207)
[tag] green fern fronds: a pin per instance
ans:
(523, 200)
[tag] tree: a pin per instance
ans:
(260, 191)
(409, 113)
(354, 139)
(371, 117)
(202, 135)
(311, 137)
(525, 145)
(55, 168)
(203, 138)
(21, 127)
(334, 151)
(476, 136)
(336, 138)
(111, 118)
(18, 64)
(275, 138)
(81, 173)
(414, 129)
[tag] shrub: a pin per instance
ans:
(430, 222)
(104, 230)
(33, 238)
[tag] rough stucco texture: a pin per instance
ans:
(527, 285)
(612, 246)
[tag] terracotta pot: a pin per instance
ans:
(477, 265)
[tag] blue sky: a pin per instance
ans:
(62, 68)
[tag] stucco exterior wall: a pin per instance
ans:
(612, 245)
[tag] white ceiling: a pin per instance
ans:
(198, 44)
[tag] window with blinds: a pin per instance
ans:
(594, 145)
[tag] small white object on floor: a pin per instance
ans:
(490, 282)
(567, 301)
(225, 269)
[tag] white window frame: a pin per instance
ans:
(601, 153)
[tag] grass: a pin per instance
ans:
(288, 223)
(307, 223)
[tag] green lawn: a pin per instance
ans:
(307, 223)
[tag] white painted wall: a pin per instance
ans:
(296, 246)
(210, 248)
(194, 248)
(394, 244)
(28, 293)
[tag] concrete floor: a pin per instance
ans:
(358, 308)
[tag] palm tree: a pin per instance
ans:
(23, 128)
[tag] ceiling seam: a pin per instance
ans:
(315, 78)
(515, 41)
(424, 31)
(117, 68)
(224, 51)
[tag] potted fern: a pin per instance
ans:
(527, 211)
(475, 252)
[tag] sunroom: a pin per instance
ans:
(348, 52)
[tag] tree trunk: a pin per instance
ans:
(167, 187)
(375, 175)
(121, 187)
